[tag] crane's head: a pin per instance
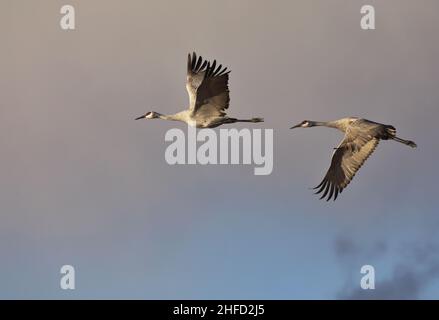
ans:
(148, 115)
(304, 124)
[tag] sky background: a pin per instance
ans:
(81, 183)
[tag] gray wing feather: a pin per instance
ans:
(207, 86)
(347, 159)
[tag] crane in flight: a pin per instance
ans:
(207, 86)
(361, 139)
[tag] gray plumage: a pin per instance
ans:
(207, 87)
(360, 141)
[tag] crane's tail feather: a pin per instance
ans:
(391, 130)
(406, 142)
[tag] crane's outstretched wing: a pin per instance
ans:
(207, 86)
(347, 159)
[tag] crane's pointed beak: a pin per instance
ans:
(296, 126)
(141, 117)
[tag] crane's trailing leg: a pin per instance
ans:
(407, 142)
(254, 120)
(391, 134)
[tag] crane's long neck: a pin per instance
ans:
(173, 117)
(330, 124)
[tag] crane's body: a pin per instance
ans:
(361, 139)
(207, 87)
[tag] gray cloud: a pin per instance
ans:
(346, 247)
(416, 267)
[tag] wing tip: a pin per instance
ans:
(328, 187)
(198, 64)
